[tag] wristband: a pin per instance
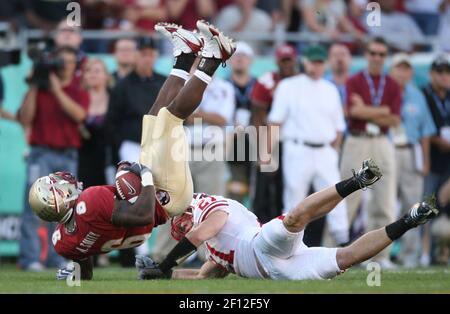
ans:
(147, 178)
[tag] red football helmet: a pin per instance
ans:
(181, 224)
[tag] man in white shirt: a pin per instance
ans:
(310, 113)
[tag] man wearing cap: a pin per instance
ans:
(308, 108)
(239, 162)
(437, 94)
(130, 99)
(373, 106)
(267, 196)
(412, 149)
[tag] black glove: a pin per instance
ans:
(148, 269)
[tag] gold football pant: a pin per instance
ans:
(165, 152)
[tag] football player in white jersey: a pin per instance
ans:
(237, 243)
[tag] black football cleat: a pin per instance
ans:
(420, 213)
(368, 174)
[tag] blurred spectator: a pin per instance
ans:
(130, 99)
(70, 36)
(144, 14)
(67, 35)
(373, 106)
(268, 6)
(267, 199)
(437, 94)
(244, 16)
(356, 14)
(328, 17)
(412, 150)
(444, 25)
(44, 14)
(92, 154)
(340, 60)
(187, 12)
(425, 13)
(125, 51)
(291, 14)
(239, 163)
(100, 15)
(11, 12)
(398, 29)
(310, 113)
(53, 117)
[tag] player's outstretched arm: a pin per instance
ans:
(142, 212)
(208, 270)
(187, 246)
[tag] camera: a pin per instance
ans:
(44, 62)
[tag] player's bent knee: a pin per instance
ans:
(295, 223)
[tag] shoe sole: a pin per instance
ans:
(212, 33)
(162, 28)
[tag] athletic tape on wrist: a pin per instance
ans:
(147, 179)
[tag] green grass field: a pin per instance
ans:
(117, 280)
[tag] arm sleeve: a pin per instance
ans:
(279, 110)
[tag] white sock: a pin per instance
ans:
(180, 73)
(203, 76)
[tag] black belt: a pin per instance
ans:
(309, 144)
(365, 134)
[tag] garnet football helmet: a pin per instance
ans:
(53, 197)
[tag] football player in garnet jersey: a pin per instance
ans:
(94, 221)
(237, 243)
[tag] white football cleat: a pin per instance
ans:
(216, 44)
(183, 41)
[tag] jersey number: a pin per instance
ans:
(204, 203)
(120, 244)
